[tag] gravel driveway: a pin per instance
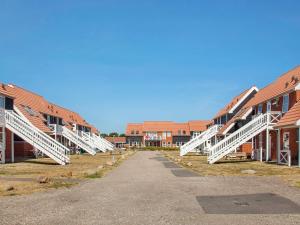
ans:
(146, 189)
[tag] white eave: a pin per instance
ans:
(247, 114)
(249, 92)
(228, 128)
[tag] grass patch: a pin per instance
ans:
(80, 166)
(58, 184)
(234, 168)
(95, 175)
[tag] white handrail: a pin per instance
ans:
(77, 140)
(92, 141)
(199, 140)
(239, 137)
(37, 138)
(109, 146)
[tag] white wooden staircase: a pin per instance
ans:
(92, 141)
(77, 140)
(107, 145)
(36, 138)
(199, 140)
(242, 135)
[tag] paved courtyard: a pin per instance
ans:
(148, 189)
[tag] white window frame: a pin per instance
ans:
(260, 109)
(269, 106)
(3, 98)
(285, 103)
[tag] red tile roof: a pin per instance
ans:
(161, 126)
(5, 91)
(291, 118)
(33, 106)
(115, 140)
(235, 102)
(199, 125)
(284, 84)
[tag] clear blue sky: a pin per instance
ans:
(129, 61)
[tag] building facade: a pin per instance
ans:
(31, 126)
(163, 133)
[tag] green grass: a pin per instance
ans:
(95, 175)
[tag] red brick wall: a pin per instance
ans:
(23, 150)
(293, 143)
(8, 145)
(247, 147)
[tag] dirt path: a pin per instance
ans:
(147, 189)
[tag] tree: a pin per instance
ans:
(103, 135)
(122, 135)
(114, 134)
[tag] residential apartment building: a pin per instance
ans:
(270, 121)
(31, 126)
(218, 128)
(163, 133)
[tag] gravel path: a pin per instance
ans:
(147, 190)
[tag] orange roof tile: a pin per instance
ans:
(5, 91)
(240, 115)
(235, 102)
(116, 139)
(161, 126)
(199, 125)
(38, 106)
(291, 118)
(284, 84)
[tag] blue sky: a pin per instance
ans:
(128, 61)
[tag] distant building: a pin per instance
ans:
(163, 133)
(118, 142)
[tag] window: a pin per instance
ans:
(184, 132)
(260, 109)
(132, 132)
(285, 104)
(2, 102)
(137, 132)
(169, 134)
(269, 106)
(164, 135)
(30, 111)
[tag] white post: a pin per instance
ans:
(12, 147)
(278, 146)
(267, 145)
(261, 154)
